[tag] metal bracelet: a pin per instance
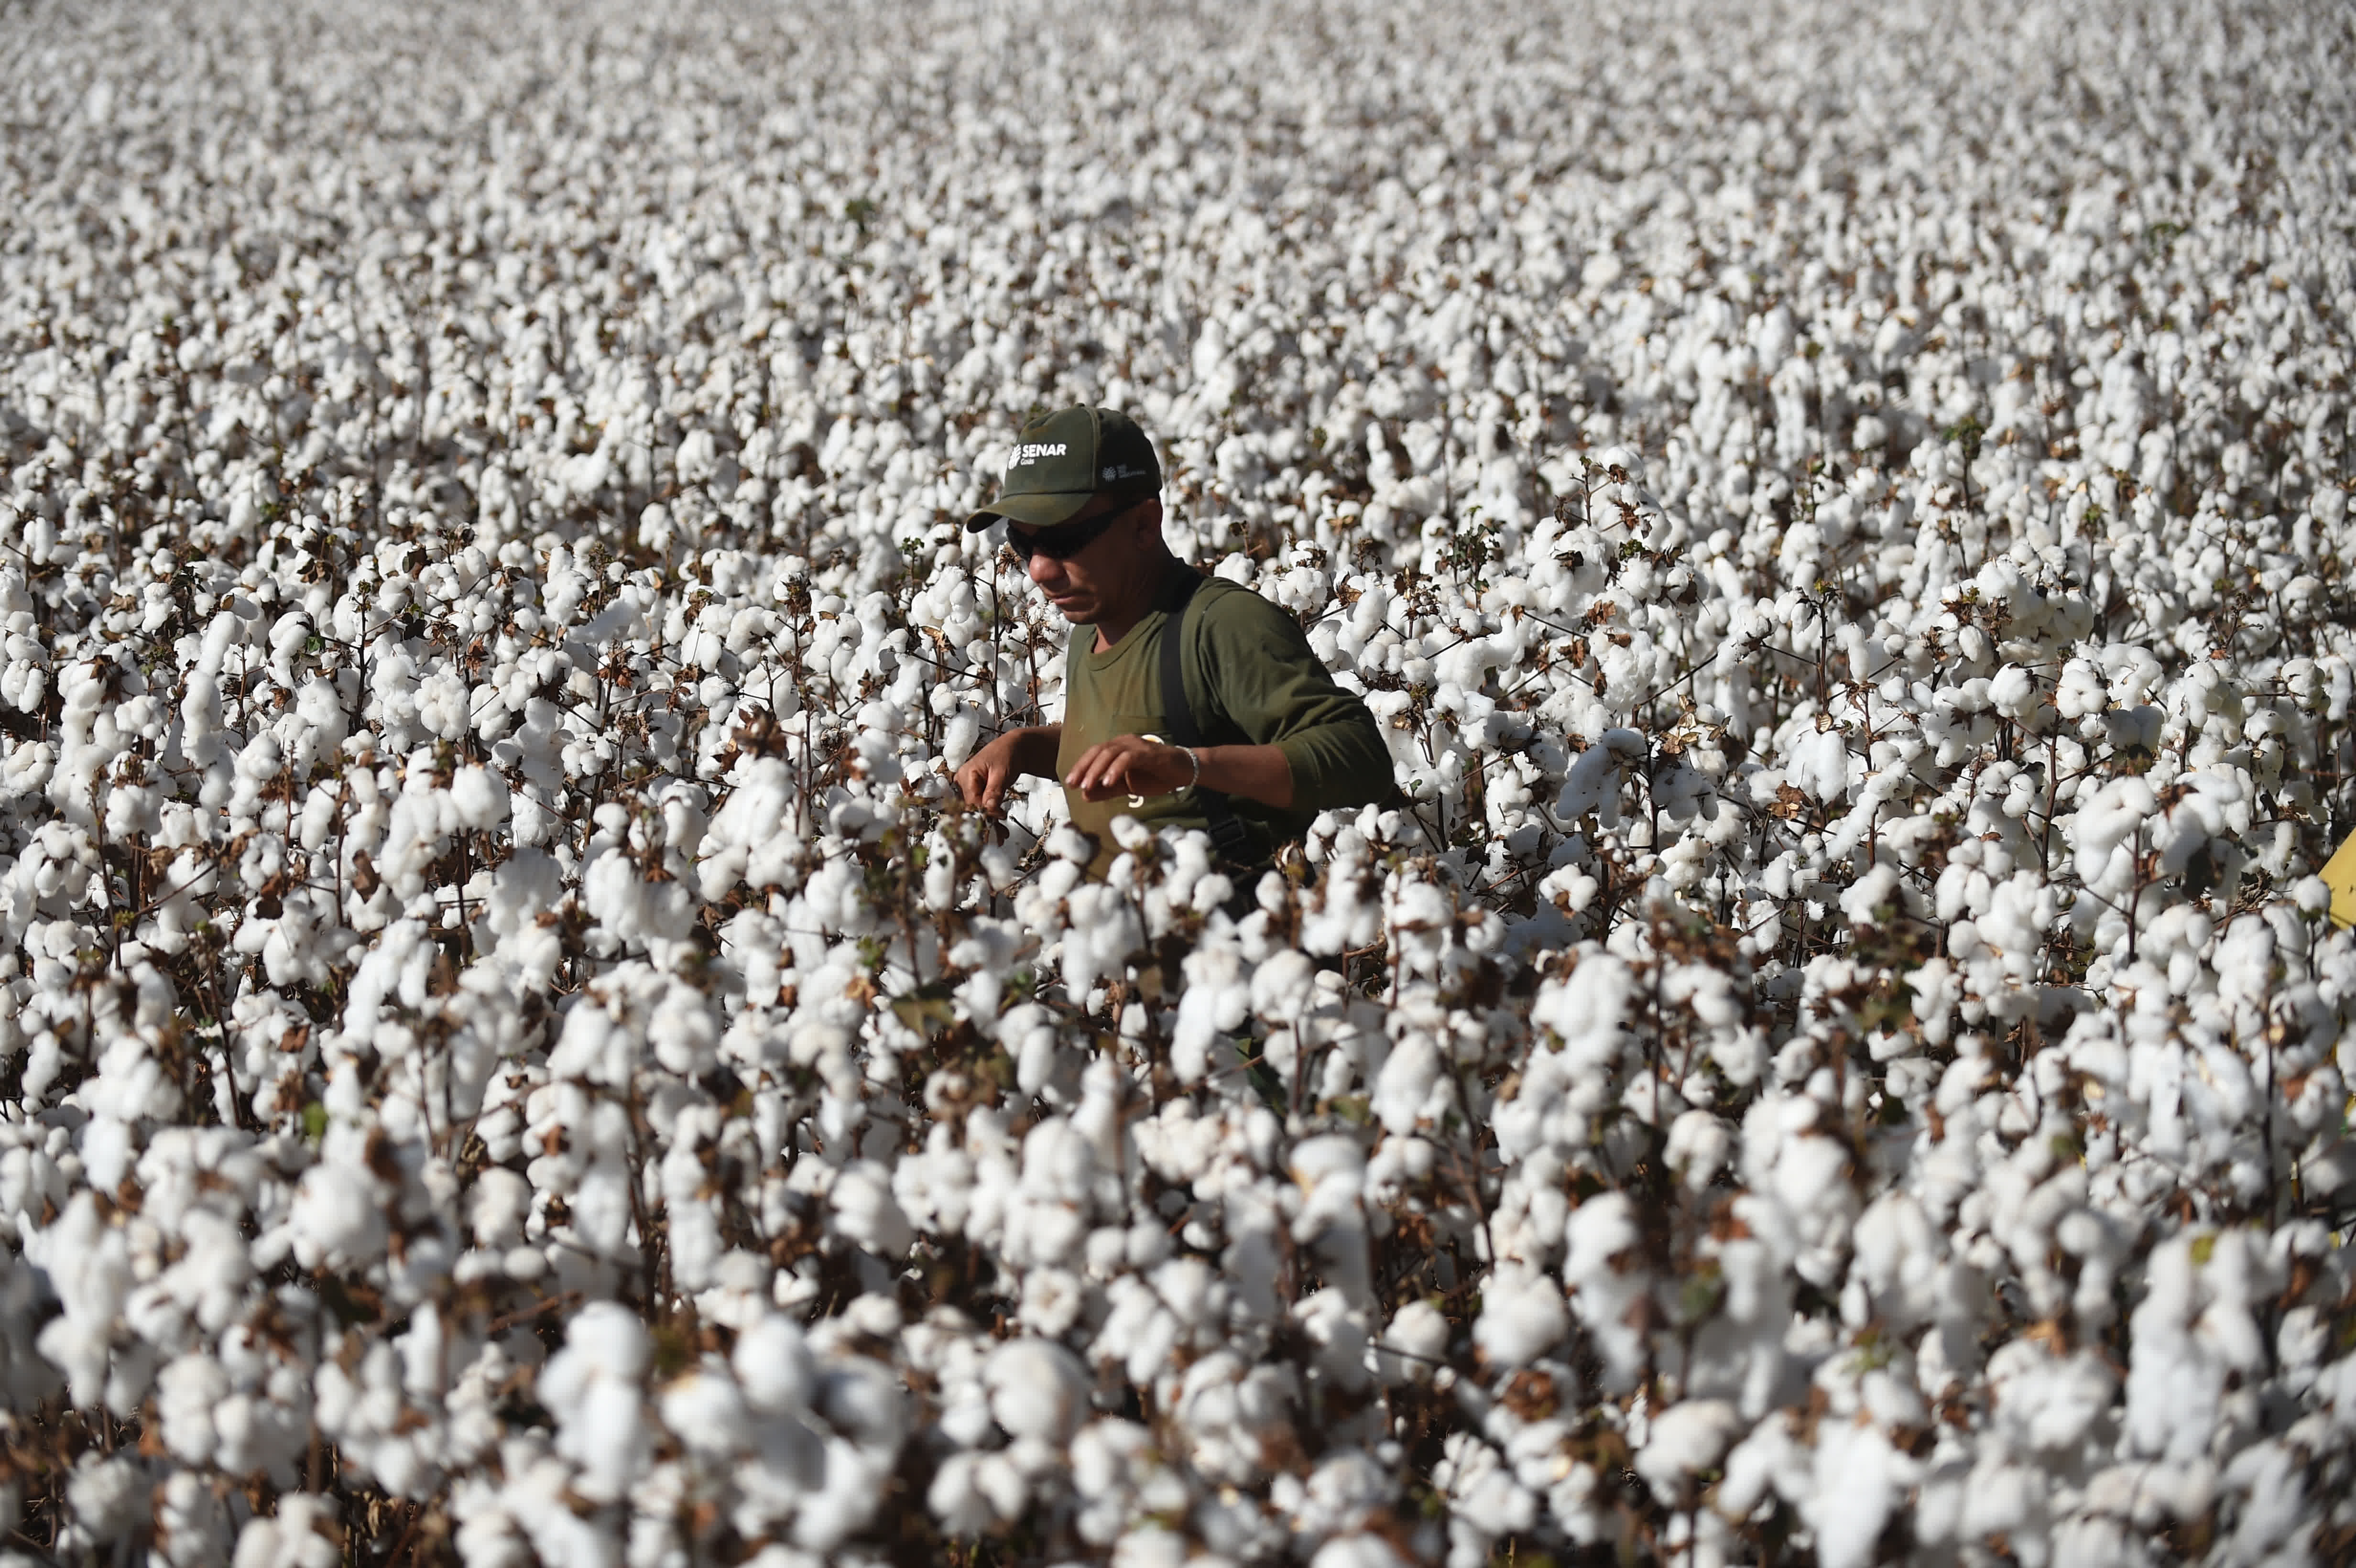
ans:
(1137, 802)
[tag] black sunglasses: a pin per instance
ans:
(1065, 542)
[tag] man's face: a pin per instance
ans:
(1102, 576)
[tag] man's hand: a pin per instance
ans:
(1130, 764)
(989, 772)
(1141, 766)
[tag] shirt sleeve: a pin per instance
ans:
(1269, 683)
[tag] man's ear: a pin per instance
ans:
(1149, 524)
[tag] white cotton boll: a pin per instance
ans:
(773, 1366)
(606, 1340)
(1699, 1144)
(191, 1524)
(1337, 1329)
(1599, 1230)
(1483, 1492)
(1876, 888)
(1415, 1343)
(683, 1032)
(957, 1497)
(1037, 1388)
(2048, 1402)
(851, 1488)
(1625, 460)
(592, 1387)
(1683, 1441)
(1053, 1299)
(187, 1391)
(2014, 692)
(2121, 811)
(2082, 690)
(1408, 1084)
(1187, 1287)
(336, 1219)
(108, 1496)
(1593, 782)
(1343, 1492)
(862, 1400)
(961, 738)
(867, 1213)
(1523, 1316)
(1858, 1479)
(1358, 1552)
(1283, 986)
(2312, 895)
(497, 1207)
(1818, 763)
(301, 1534)
(1227, 1408)
(479, 797)
(706, 1413)
(444, 705)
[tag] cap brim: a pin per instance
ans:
(1037, 510)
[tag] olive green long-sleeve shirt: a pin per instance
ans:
(1251, 680)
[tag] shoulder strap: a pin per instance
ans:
(1228, 831)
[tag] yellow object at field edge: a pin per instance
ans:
(2340, 873)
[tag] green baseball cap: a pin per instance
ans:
(1063, 460)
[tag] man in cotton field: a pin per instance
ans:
(1254, 740)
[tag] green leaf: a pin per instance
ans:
(927, 1009)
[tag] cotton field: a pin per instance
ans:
(512, 1050)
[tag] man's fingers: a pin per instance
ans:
(1083, 774)
(1129, 765)
(1117, 768)
(982, 781)
(1120, 767)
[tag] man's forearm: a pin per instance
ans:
(1259, 773)
(1035, 750)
